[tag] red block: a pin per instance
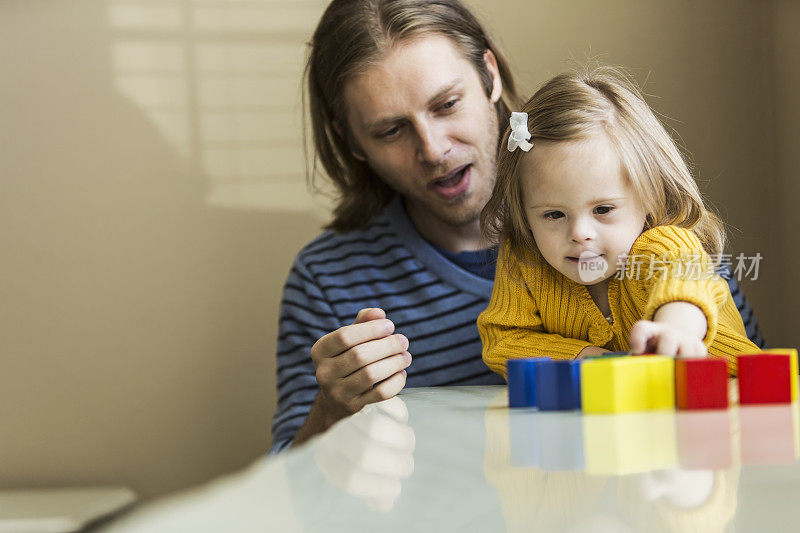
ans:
(701, 384)
(764, 378)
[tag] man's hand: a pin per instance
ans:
(356, 365)
(370, 455)
(678, 328)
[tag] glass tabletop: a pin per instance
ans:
(458, 459)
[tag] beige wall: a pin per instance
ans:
(148, 222)
(783, 41)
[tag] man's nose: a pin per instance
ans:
(582, 229)
(434, 144)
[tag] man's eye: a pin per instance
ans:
(603, 209)
(553, 215)
(391, 132)
(450, 104)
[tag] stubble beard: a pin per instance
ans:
(466, 209)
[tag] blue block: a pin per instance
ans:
(558, 385)
(521, 381)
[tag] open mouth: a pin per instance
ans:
(454, 184)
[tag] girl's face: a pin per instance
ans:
(582, 211)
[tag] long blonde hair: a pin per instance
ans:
(575, 105)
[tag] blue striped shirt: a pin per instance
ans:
(389, 265)
(431, 300)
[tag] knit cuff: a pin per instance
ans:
(702, 293)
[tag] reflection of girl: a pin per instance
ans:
(532, 499)
(536, 500)
(680, 500)
(605, 237)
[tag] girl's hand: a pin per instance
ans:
(592, 350)
(664, 339)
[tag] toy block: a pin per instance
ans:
(705, 439)
(769, 434)
(614, 385)
(768, 377)
(607, 354)
(560, 441)
(629, 443)
(521, 381)
(792, 353)
(660, 381)
(701, 383)
(558, 385)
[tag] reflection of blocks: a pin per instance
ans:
(630, 442)
(769, 434)
(769, 377)
(521, 381)
(558, 385)
(560, 441)
(525, 436)
(705, 440)
(701, 383)
(551, 441)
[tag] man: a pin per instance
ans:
(408, 99)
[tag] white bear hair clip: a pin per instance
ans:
(519, 132)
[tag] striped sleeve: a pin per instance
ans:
(305, 316)
(749, 319)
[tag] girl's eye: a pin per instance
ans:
(553, 215)
(603, 209)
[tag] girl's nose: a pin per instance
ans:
(582, 230)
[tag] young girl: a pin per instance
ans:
(605, 242)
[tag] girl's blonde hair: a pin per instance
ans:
(576, 105)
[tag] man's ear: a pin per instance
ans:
(351, 143)
(358, 154)
(497, 82)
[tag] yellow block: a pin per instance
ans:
(660, 381)
(614, 385)
(796, 430)
(793, 381)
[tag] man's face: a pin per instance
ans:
(422, 121)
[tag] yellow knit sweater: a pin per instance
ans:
(535, 311)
